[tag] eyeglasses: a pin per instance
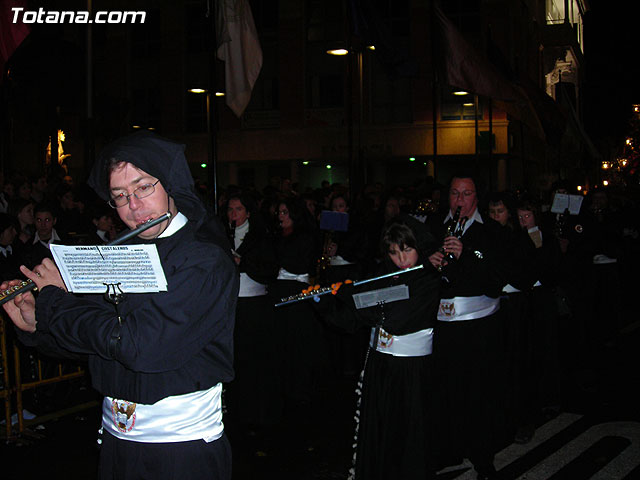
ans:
(141, 192)
(525, 216)
(465, 193)
(283, 212)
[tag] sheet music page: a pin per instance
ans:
(563, 201)
(381, 295)
(86, 268)
(560, 203)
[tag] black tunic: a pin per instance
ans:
(172, 343)
(466, 352)
(395, 426)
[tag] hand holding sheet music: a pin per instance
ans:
(86, 269)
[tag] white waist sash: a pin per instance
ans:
(180, 418)
(337, 261)
(285, 275)
(249, 287)
(467, 308)
(417, 344)
(508, 288)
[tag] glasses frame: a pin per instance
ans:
(112, 202)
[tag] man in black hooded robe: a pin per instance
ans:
(158, 358)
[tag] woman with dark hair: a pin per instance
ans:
(501, 209)
(529, 311)
(298, 329)
(23, 210)
(394, 427)
(252, 392)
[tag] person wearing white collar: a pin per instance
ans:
(253, 397)
(159, 359)
(44, 222)
(472, 266)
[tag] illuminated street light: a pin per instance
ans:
(605, 182)
(338, 51)
(460, 92)
(202, 90)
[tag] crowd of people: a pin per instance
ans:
(510, 301)
(510, 305)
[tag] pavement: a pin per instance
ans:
(595, 435)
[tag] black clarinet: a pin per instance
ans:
(455, 228)
(28, 285)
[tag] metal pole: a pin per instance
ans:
(212, 176)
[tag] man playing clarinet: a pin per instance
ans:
(465, 341)
(159, 359)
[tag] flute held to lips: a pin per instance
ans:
(29, 285)
(313, 292)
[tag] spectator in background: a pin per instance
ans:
(24, 188)
(38, 188)
(9, 260)
(22, 210)
(71, 221)
(45, 218)
(102, 219)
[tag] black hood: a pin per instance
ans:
(157, 156)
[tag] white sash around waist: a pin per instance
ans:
(467, 308)
(337, 261)
(249, 287)
(417, 344)
(180, 418)
(285, 275)
(508, 288)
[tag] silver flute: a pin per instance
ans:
(323, 291)
(28, 285)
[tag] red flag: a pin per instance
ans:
(11, 34)
(465, 68)
(239, 48)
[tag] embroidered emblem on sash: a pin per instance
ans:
(124, 414)
(385, 340)
(447, 309)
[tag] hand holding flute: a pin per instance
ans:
(22, 308)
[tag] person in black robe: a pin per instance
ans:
(158, 358)
(474, 267)
(253, 395)
(395, 420)
(299, 330)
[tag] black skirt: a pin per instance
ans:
(394, 423)
(195, 460)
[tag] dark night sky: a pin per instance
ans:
(612, 35)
